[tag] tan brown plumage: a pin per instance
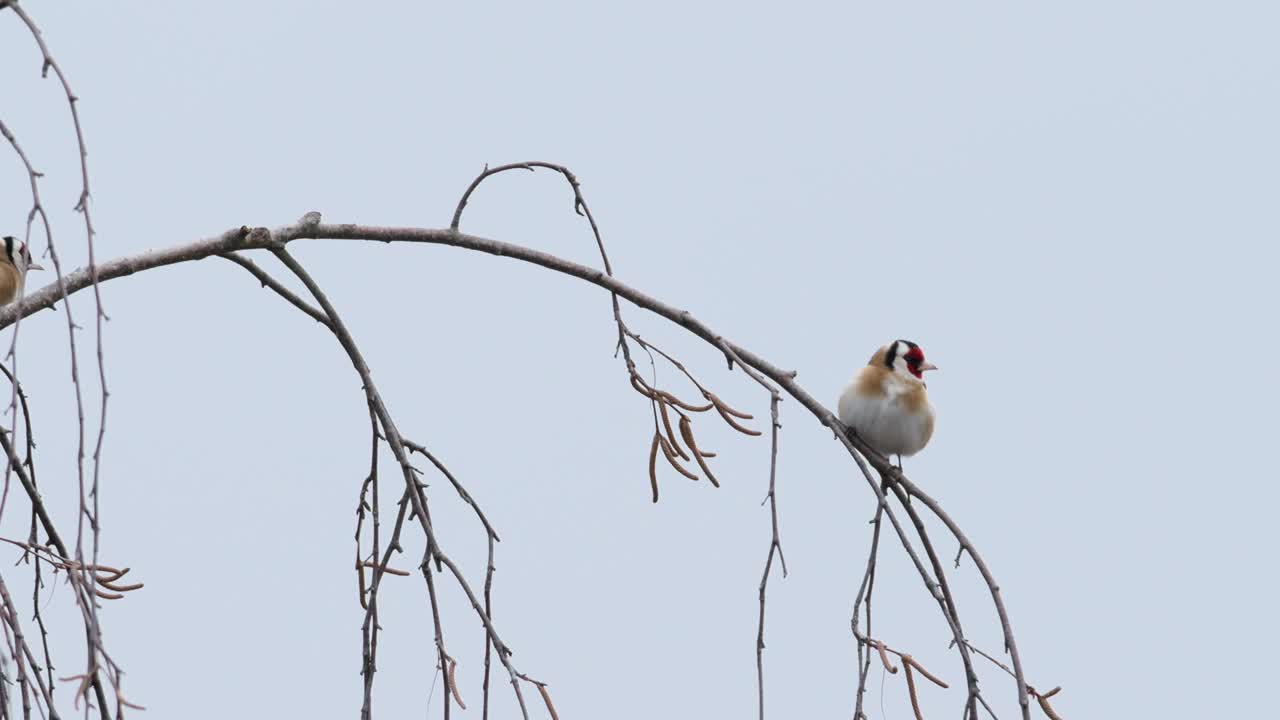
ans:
(914, 398)
(887, 403)
(15, 261)
(10, 283)
(870, 381)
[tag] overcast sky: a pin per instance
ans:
(1070, 207)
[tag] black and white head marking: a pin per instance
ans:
(897, 349)
(906, 358)
(19, 255)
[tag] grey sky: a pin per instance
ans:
(1070, 207)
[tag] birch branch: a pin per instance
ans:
(245, 238)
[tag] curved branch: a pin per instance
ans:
(260, 238)
(579, 202)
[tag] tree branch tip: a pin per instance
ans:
(1045, 706)
(453, 685)
(884, 657)
(653, 465)
(671, 457)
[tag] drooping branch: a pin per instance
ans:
(275, 286)
(89, 494)
(663, 403)
(244, 238)
(369, 594)
(413, 490)
(947, 601)
(865, 591)
(775, 547)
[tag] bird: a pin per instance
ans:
(13, 269)
(887, 405)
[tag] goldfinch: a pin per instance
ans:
(886, 404)
(13, 269)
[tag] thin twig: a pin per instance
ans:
(864, 595)
(947, 601)
(775, 545)
(271, 283)
(94, 632)
(416, 497)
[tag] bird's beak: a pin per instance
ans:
(924, 366)
(35, 266)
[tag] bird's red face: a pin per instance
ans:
(916, 362)
(914, 357)
(904, 355)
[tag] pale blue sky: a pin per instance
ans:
(1071, 207)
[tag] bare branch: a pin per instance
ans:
(243, 238)
(775, 545)
(271, 283)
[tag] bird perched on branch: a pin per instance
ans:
(13, 269)
(887, 405)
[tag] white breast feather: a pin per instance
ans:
(884, 422)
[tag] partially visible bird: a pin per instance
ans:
(13, 269)
(887, 405)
